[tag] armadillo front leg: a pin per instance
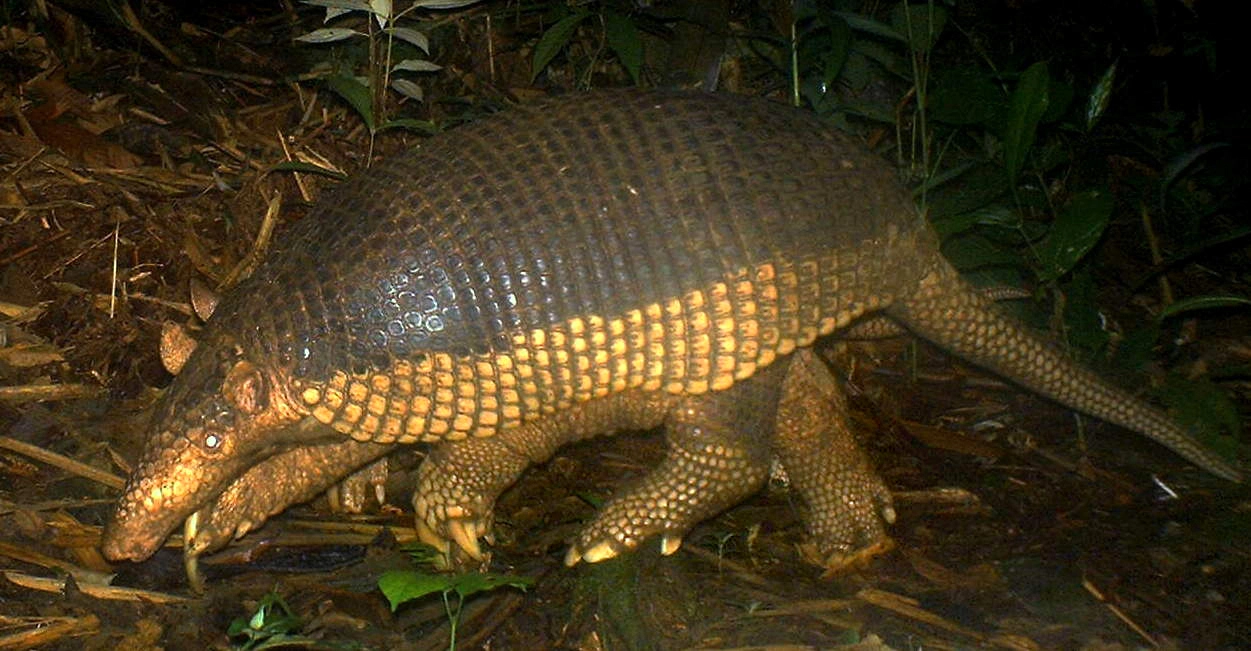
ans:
(847, 503)
(718, 455)
(295, 476)
(460, 481)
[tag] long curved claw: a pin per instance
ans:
(191, 557)
(454, 528)
(430, 537)
(465, 534)
(600, 551)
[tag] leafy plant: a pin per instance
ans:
(273, 626)
(385, 38)
(619, 34)
(999, 156)
(402, 586)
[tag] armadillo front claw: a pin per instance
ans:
(452, 516)
(465, 534)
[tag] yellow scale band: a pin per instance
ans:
(705, 340)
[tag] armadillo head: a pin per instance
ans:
(223, 414)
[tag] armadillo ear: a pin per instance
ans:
(203, 299)
(176, 346)
(245, 388)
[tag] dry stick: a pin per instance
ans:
(43, 631)
(500, 610)
(299, 178)
(132, 23)
(253, 258)
(906, 607)
(233, 76)
(62, 265)
(30, 557)
(64, 463)
(34, 247)
(490, 48)
(97, 591)
(1120, 614)
(117, 229)
(1166, 290)
(17, 171)
(7, 507)
(36, 392)
(722, 563)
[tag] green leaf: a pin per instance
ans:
(444, 4)
(298, 166)
(417, 65)
(870, 26)
(976, 188)
(408, 88)
(1134, 350)
(419, 126)
(357, 96)
(382, 11)
(922, 24)
(1203, 303)
(1178, 165)
(965, 95)
(412, 36)
(328, 35)
(1000, 216)
(402, 586)
(1205, 408)
(1026, 107)
(554, 40)
(1059, 96)
(837, 46)
(473, 583)
(624, 40)
(1076, 230)
(1100, 97)
(347, 5)
(1082, 317)
(969, 251)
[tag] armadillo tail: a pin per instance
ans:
(949, 312)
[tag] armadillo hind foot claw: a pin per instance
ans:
(841, 561)
(847, 504)
(716, 458)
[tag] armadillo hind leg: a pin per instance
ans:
(949, 312)
(718, 454)
(459, 482)
(292, 477)
(847, 504)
